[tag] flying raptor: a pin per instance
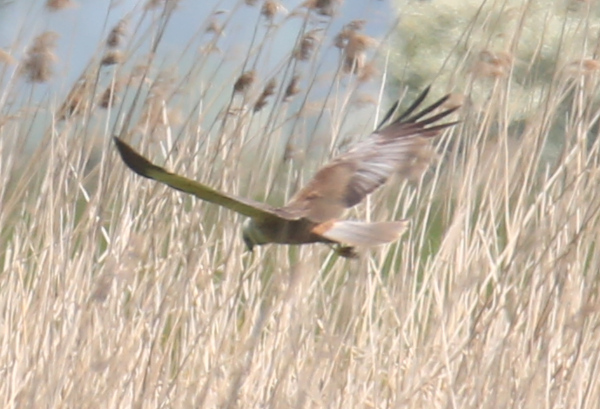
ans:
(312, 214)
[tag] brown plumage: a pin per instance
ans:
(312, 214)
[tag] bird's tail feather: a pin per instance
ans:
(355, 233)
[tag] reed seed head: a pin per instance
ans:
(267, 92)
(37, 64)
(116, 35)
(490, 64)
(112, 57)
(307, 45)
(77, 100)
(292, 88)
(108, 97)
(322, 7)
(354, 46)
(270, 8)
(244, 81)
(56, 5)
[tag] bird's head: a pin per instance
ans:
(250, 234)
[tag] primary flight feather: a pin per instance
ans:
(312, 213)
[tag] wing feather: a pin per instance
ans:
(147, 169)
(349, 178)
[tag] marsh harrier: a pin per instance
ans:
(312, 214)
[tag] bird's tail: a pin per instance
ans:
(355, 233)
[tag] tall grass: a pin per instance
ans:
(118, 292)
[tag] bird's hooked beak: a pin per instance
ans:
(249, 244)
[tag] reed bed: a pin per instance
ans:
(118, 292)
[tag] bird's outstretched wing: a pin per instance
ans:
(145, 168)
(350, 177)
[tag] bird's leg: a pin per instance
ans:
(345, 251)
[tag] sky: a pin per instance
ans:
(82, 28)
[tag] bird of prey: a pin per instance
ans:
(312, 213)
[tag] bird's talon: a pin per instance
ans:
(346, 251)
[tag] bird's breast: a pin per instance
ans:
(289, 231)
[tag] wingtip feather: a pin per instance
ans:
(410, 117)
(133, 159)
